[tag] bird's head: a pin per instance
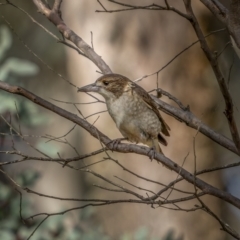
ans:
(109, 86)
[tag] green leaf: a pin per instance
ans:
(19, 67)
(5, 40)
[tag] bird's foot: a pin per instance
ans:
(115, 143)
(152, 153)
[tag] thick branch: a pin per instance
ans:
(221, 81)
(121, 147)
(217, 9)
(229, 17)
(55, 18)
(233, 21)
(192, 121)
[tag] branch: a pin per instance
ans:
(229, 17)
(225, 226)
(121, 147)
(217, 9)
(192, 121)
(233, 21)
(55, 18)
(129, 7)
(229, 112)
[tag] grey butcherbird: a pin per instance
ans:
(132, 109)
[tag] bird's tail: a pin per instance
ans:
(157, 146)
(162, 140)
(158, 149)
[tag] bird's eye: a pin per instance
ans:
(105, 83)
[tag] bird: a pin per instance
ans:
(133, 110)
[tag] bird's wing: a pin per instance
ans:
(151, 104)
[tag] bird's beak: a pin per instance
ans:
(89, 88)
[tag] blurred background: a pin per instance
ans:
(132, 43)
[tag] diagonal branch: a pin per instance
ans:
(55, 18)
(192, 121)
(217, 9)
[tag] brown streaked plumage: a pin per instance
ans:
(132, 109)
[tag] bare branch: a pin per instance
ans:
(225, 226)
(229, 112)
(35, 229)
(55, 18)
(217, 9)
(229, 17)
(129, 7)
(178, 54)
(192, 121)
(36, 56)
(33, 20)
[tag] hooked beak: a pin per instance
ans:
(89, 88)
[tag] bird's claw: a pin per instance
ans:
(115, 143)
(152, 153)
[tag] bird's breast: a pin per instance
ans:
(117, 109)
(134, 118)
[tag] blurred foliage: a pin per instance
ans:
(49, 148)
(11, 69)
(13, 228)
